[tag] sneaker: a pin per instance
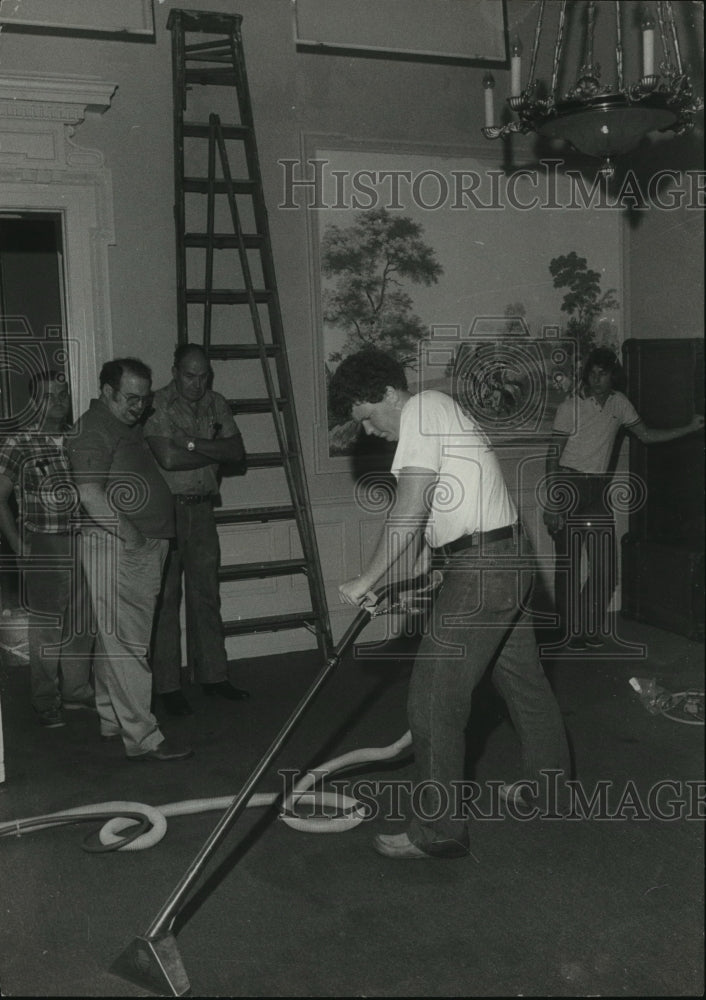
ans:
(51, 718)
(398, 845)
(514, 794)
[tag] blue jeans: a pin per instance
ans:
(478, 620)
(195, 554)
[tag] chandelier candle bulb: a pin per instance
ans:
(516, 68)
(488, 85)
(648, 46)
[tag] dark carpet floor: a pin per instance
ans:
(610, 905)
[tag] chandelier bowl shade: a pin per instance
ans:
(609, 125)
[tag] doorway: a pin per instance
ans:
(32, 332)
(31, 308)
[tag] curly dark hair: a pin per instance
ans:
(112, 371)
(363, 378)
(605, 358)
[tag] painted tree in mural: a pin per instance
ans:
(370, 263)
(515, 313)
(584, 302)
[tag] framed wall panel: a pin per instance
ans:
(469, 31)
(435, 256)
(124, 17)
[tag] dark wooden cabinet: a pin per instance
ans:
(663, 552)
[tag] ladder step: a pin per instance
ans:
(195, 130)
(241, 352)
(225, 77)
(261, 570)
(215, 49)
(273, 623)
(255, 405)
(228, 296)
(195, 20)
(200, 185)
(224, 241)
(250, 515)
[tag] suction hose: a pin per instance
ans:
(122, 816)
(152, 820)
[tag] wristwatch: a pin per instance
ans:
(191, 445)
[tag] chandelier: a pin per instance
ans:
(600, 120)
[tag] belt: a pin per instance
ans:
(477, 538)
(189, 498)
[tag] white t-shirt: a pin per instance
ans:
(592, 430)
(470, 494)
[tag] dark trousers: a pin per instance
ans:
(60, 639)
(478, 623)
(586, 556)
(194, 555)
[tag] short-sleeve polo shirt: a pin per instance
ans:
(103, 450)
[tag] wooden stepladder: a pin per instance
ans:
(228, 299)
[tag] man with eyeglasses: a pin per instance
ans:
(124, 545)
(34, 464)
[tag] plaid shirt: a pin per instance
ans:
(38, 466)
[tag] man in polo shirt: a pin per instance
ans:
(34, 464)
(451, 505)
(579, 473)
(192, 432)
(123, 549)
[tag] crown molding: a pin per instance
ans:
(55, 98)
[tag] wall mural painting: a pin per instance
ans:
(488, 285)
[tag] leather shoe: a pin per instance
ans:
(398, 845)
(175, 703)
(225, 689)
(165, 751)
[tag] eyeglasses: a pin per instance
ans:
(134, 399)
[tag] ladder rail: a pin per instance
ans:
(179, 106)
(210, 231)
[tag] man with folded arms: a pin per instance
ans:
(192, 433)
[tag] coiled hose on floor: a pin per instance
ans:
(303, 809)
(135, 826)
